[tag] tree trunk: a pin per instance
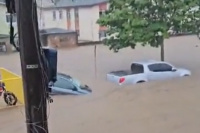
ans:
(162, 51)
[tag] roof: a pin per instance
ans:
(75, 3)
(64, 75)
(40, 3)
(65, 3)
(148, 62)
(55, 31)
(45, 3)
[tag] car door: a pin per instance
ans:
(160, 71)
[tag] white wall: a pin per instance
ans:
(72, 19)
(50, 23)
(4, 26)
(88, 16)
(87, 23)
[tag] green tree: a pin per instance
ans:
(148, 22)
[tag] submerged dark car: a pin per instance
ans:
(65, 84)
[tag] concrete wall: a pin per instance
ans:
(60, 40)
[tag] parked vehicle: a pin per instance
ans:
(9, 98)
(145, 71)
(65, 84)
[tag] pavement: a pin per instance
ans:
(2, 103)
(170, 106)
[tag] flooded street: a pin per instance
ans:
(156, 107)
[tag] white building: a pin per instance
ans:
(5, 19)
(78, 15)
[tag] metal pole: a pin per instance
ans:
(32, 72)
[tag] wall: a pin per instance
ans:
(88, 16)
(13, 83)
(89, 30)
(6, 41)
(47, 17)
(4, 26)
(61, 40)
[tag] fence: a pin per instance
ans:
(13, 83)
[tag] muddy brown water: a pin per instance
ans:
(155, 107)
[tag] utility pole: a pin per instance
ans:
(32, 72)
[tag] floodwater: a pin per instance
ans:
(156, 107)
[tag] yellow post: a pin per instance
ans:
(13, 83)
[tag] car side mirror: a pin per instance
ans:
(174, 69)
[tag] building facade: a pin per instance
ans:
(77, 15)
(80, 16)
(5, 19)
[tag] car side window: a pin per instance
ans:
(63, 83)
(154, 67)
(165, 67)
(137, 68)
(160, 67)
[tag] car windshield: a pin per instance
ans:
(73, 80)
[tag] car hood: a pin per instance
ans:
(83, 87)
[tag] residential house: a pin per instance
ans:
(5, 19)
(78, 15)
(5, 24)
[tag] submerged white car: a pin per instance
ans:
(145, 71)
(65, 84)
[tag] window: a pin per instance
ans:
(76, 13)
(160, 67)
(63, 83)
(101, 13)
(78, 32)
(8, 18)
(54, 15)
(3, 47)
(60, 14)
(68, 14)
(166, 67)
(137, 68)
(102, 34)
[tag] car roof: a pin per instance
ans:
(64, 75)
(148, 62)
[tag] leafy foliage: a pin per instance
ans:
(148, 22)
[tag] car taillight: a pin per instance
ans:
(121, 80)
